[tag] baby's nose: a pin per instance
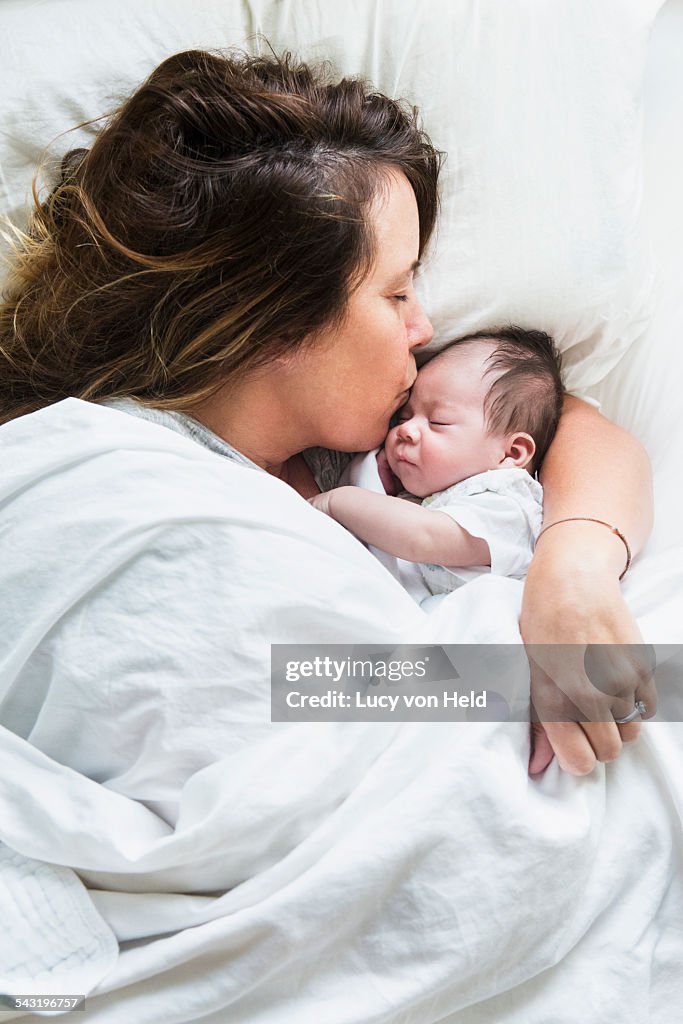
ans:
(408, 430)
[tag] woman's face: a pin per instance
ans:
(354, 377)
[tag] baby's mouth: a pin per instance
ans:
(400, 457)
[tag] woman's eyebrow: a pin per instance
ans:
(405, 274)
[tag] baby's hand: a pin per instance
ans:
(321, 502)
(390, 483)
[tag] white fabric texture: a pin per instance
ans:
(537, 105)
(384, 875)
(377, 872)
(53, 941)
(505, 507)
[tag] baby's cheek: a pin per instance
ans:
(442, 459)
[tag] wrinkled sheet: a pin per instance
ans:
(269, 873)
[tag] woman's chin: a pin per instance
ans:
(368, 440)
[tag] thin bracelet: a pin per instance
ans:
(590, 519)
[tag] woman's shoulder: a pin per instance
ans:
(82, 450)
(180, 423)
(97, 467)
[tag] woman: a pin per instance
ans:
(234, 259)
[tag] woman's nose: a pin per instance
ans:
(420, 330)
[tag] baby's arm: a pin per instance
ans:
(403, 529)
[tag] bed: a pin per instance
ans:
(293, 882)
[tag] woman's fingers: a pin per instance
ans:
(605, 740)
(566, 740)
(624, 674)
(575, 711)
(647, 692)
(629, 731)
(541, 753)
(577, 746)
(648, 695)
(553, 731)
(572, 747)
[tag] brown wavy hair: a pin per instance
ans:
(219, 220)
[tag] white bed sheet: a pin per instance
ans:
(379, 873)
(572, 907)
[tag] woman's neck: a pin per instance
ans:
(296, 473)
(255, 421)
(262, 425)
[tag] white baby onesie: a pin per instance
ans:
(504, 506)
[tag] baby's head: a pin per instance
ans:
(491, 400)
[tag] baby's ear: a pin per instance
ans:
(519, 451)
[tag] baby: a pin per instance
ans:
(466, 444)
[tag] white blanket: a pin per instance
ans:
(376, 872)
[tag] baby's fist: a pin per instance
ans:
(390, 482)
(321, 502)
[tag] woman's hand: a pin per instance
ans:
(572, 606)
(572, 595)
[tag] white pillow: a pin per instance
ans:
(537, 103)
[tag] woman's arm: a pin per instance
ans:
(572, 594)
(402, 528)
(594, 468)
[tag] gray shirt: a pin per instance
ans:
(326, 466)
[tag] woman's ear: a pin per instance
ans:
(519, 451)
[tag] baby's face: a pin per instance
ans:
(441, 435)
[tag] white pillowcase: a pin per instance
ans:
(537, 104)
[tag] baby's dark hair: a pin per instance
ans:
(527, 392)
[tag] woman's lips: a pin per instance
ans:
(404, 395)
